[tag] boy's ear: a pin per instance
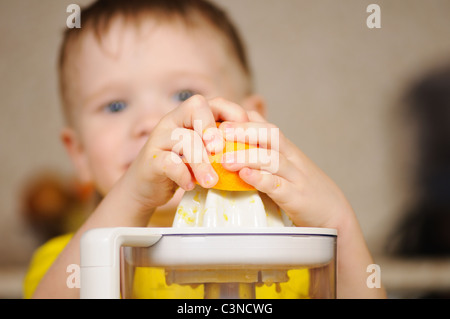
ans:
(256, 103)
(76, 153)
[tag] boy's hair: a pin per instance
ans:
(99, 16)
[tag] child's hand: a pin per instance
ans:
(166, 161)
(307, 195)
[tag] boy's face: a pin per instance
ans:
(124, 85)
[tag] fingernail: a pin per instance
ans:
(190, 186)
(208, 135)
(215, 145)
(208, 179)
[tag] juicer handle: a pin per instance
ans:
(100, 258)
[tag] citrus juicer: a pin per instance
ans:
(223, 244)
(229, 241)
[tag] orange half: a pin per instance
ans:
(228, 180)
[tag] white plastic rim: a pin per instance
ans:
(242, 230)
(204, 248)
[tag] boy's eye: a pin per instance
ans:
(116, 106)
(183, 95)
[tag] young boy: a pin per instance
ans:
(135, 72)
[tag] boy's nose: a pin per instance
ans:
(145, 125)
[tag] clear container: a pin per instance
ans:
(244, 263)
(287, 263)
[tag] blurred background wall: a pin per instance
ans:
(332, 85)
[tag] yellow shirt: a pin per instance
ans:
(151, 282)
(42, 259)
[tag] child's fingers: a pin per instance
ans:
(188, 144)
(263, 134)
(201, 115)
(170, 165)
(273, 185)
(261, 159)
(272, 173)
(179, 173)
(182, 141)
(254, 116)
(225, 110)
(187, 147)
(194, 121)
(194, 114)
